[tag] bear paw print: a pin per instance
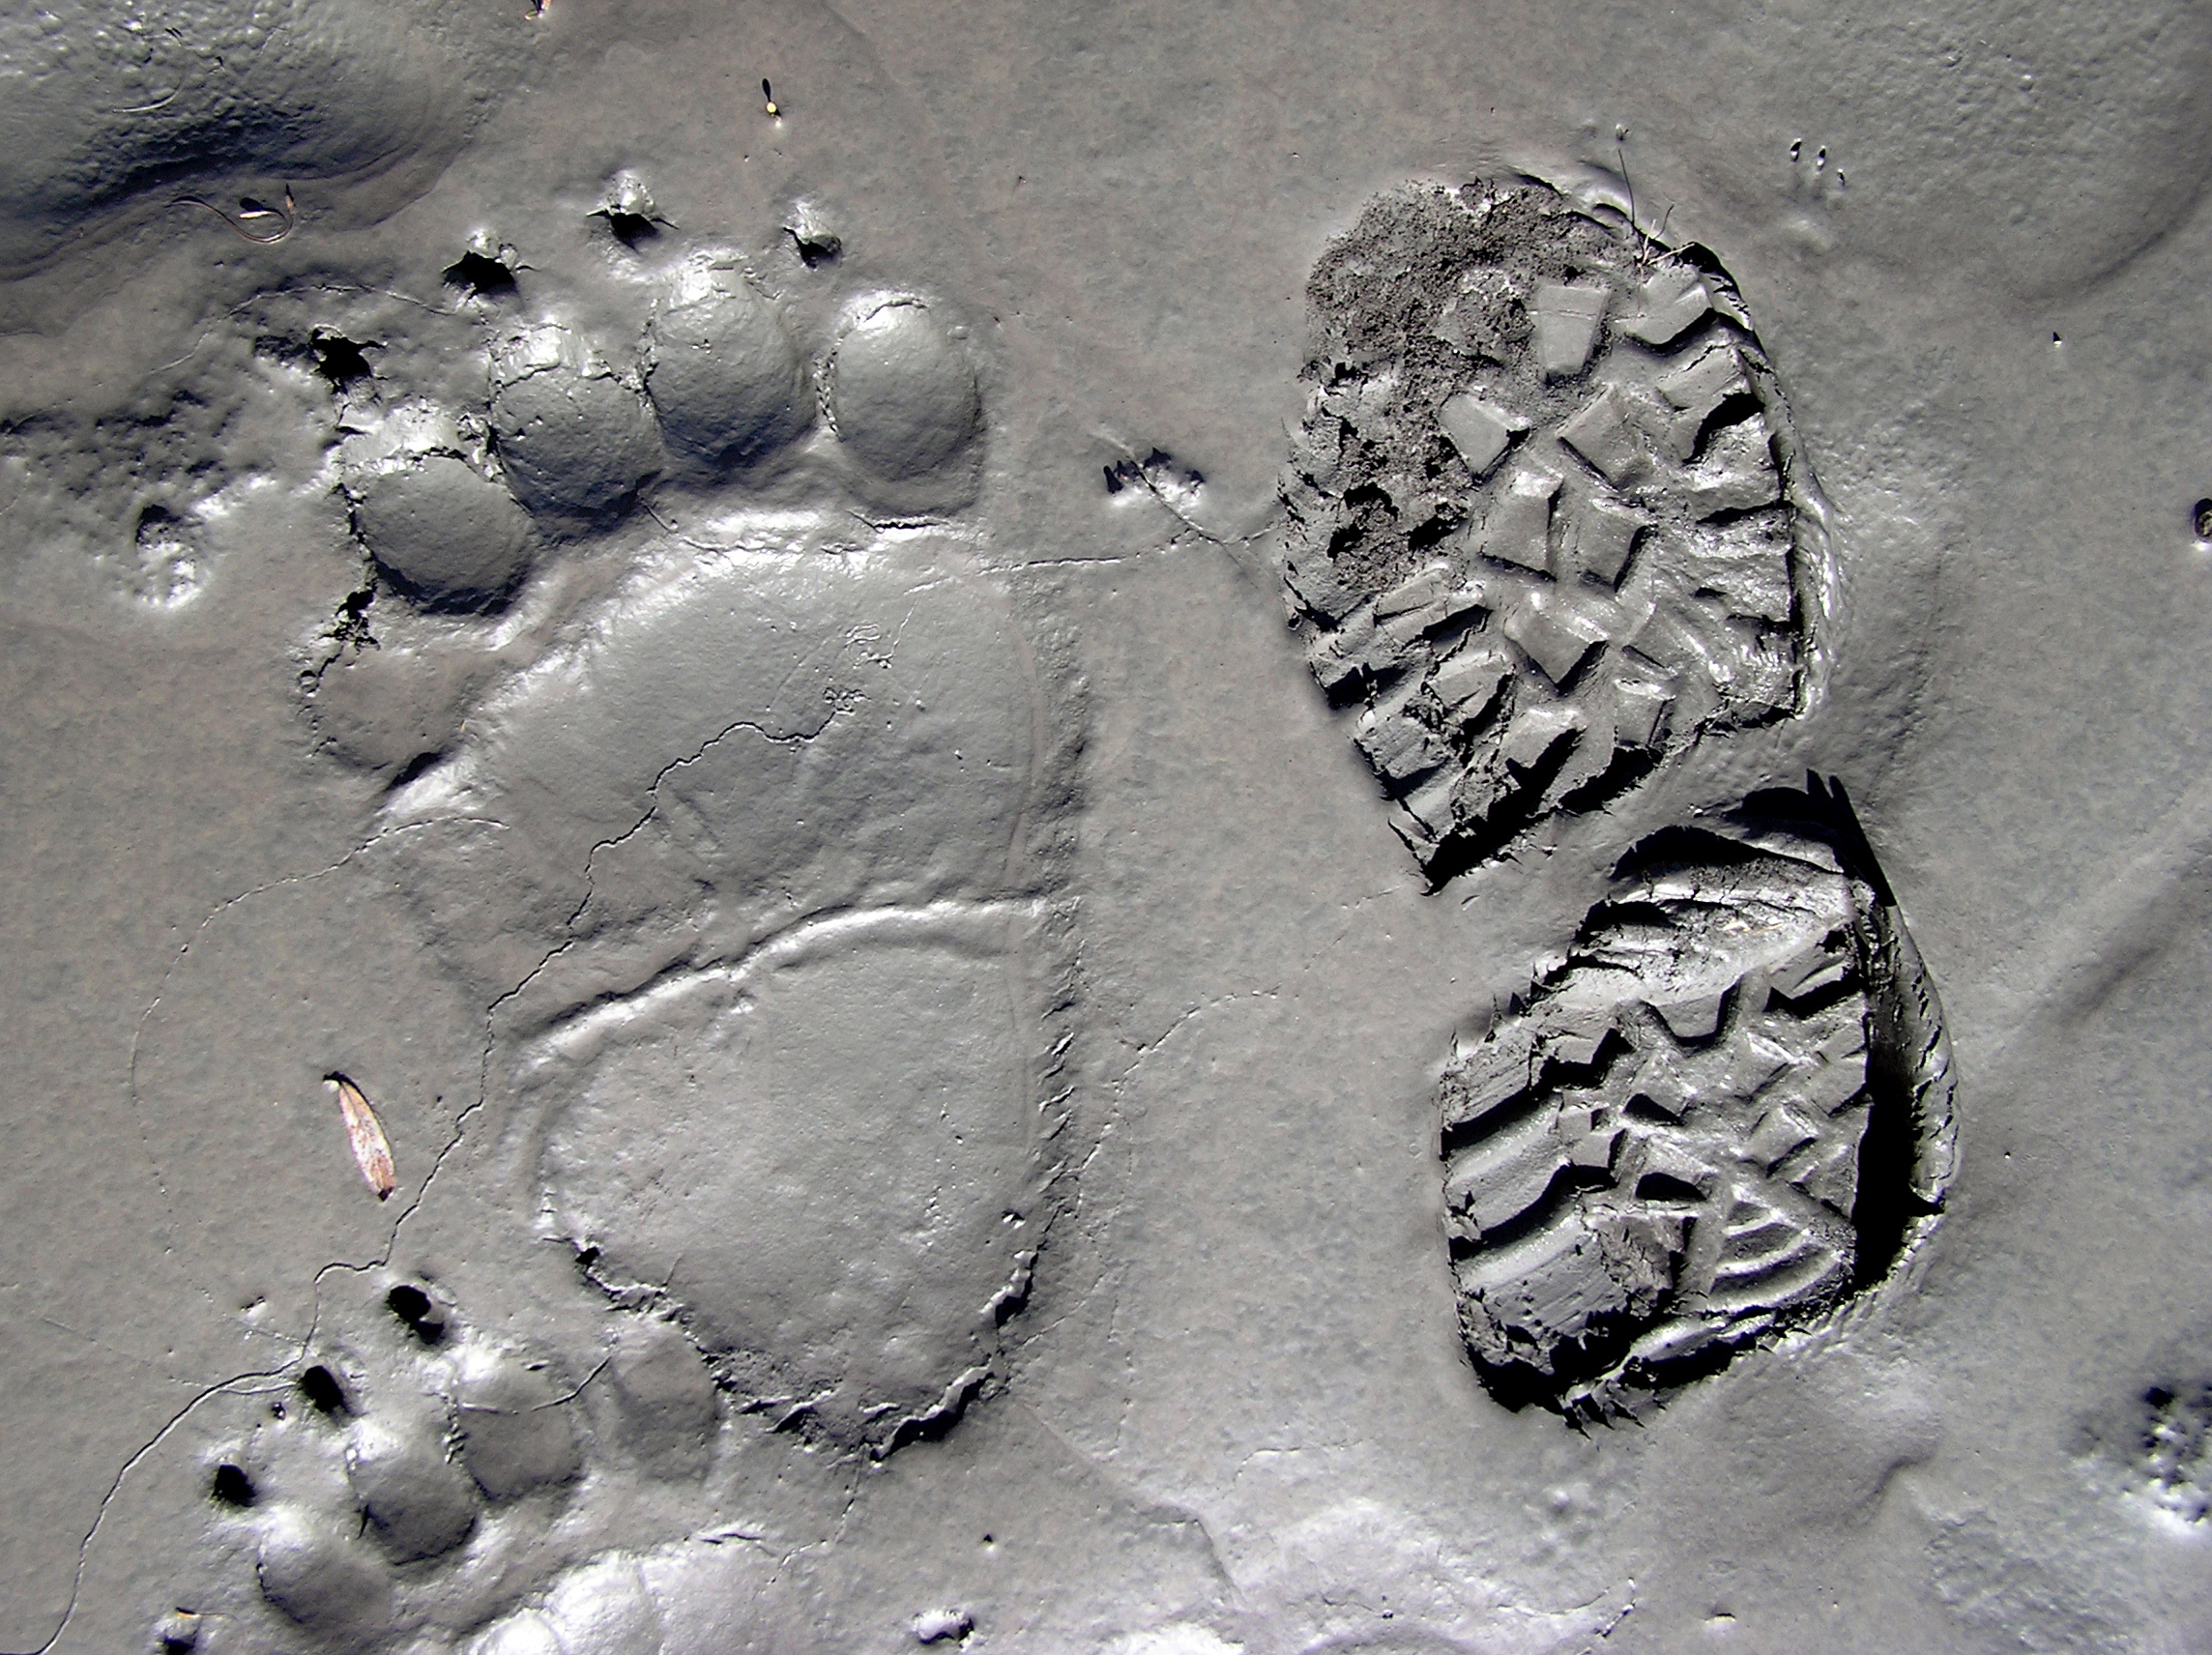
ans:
(396, 1486)
(716, 777)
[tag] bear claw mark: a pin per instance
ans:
(1726, 1114)
(485, 270)
(628, 211)
(1547, 523)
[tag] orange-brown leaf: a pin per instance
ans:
(371, 1150)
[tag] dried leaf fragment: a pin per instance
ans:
(371, 1151)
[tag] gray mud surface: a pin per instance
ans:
(1140, 830)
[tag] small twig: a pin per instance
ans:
(251, 212)
(166, 98)
(1644, 256)
(148, 108)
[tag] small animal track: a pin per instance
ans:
(1548, 524)
(2155, 1441)
(2173, 1458)
(1812, 174)
(1727, 1113)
